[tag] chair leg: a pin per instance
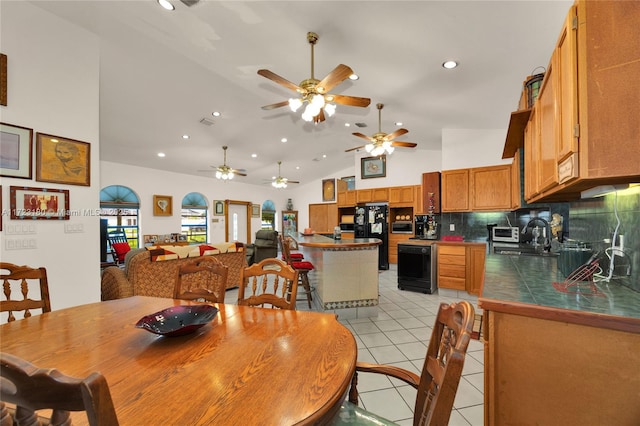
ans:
(304, 278)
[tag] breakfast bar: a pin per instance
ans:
(345, 274)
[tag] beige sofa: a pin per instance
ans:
(153, 272)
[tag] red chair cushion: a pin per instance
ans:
(302, 265)
(121, 249)
(295, 256)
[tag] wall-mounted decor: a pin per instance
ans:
(373, 167)
(255, 210)
(62, 160)
(16, 144)
(289, 221)
(218, 207)
(328, 190)
(162, 205)
(3, 79)
(39, 203)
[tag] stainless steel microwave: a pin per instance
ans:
(402, 227)
(506, 234)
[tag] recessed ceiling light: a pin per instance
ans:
(347, 125)
(398, 123)
(283, 140)
(215, 114)
(324, 155)
(185, 136)
(354, 77)
(450, 65)
(165, 4)
(254, 155)
(161, 154)
(297, 167)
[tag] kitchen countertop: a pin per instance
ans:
(523, 284)
(317, 240)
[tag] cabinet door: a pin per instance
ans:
(531, 156)
(475, 268)
(364, 195)
(401, 195)
(547, 164)
(380, 194)
(318, 217)
(451, 267)
(342, 199)
(351, 198)
(430, 185)
(455, 190)
(491, 188)
(418, 203)
(515, 182)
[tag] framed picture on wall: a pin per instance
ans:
(16, 144)
(373, 167)
(162, 205)
(328, 190)
(39, 203)
(255, 210)
(218, 207)
(62, 160)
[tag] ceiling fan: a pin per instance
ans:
(281, 182)
(381, 142)
(315, 92)
(225, 172)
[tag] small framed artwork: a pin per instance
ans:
(162, 205)
(373, 167)
(182, 238)
(16, 145)
(62, 160)
(39, 203)
(218, 207)
(328, 190)
(150, 239)
(255, 210)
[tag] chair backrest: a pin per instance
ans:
(204, 278)
(119, 245)
(285, 246)
(270, 281)
(31, 388)
(443, 364)
(18, 280)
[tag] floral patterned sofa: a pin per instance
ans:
(152, 271)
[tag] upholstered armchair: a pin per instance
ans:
(265, 246)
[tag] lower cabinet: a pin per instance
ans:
(461, 266)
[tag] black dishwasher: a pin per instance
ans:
(416, 267)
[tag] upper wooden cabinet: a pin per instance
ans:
(477, 189)
(430, 185)
(346, 198)
(582, 124)
(401, 195)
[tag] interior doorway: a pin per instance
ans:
(238, 220)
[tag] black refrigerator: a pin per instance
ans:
(371, 222)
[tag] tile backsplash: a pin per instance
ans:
(588, 221)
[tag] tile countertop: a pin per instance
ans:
(524, 284)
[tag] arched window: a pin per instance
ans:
(194, 217)
(268, 215)
(119, 206)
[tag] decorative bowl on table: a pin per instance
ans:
(178, 320)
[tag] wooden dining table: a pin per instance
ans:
(250, 366)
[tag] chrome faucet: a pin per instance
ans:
(547, 235)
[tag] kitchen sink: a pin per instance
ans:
(521, 250)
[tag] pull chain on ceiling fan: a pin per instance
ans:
(280, 182)
(381, 142)
(314, 92)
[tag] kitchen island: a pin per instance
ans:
(345, 274)
(556, 355)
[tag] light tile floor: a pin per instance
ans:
(399, 336)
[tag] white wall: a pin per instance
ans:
(465, 148)
(53, 71)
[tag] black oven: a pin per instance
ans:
(417, 267)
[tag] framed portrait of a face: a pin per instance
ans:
(62, 160)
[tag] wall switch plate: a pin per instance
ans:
(452, 227)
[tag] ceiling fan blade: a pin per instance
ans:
(405, 144)
(280, 80)
(395, 134)
(235, 172)
(350, 100)
(353, 149)
(276, 105)
(360, 135)
(335, 77)
(292, 181)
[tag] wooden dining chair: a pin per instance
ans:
(30, 388)
(302, 266)
(441, 372)
(269, 282)
(22, 279)
(202, 279)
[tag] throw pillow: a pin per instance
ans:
(121, 249)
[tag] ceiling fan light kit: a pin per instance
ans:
(225, 172)
(381, 142)
(313, 92)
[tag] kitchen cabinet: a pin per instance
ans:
(430, 185)
(581, 122)
(372, 195)
(394, 239)
(477, 189)
(347, 198)
(516, 190)
(461, 266)
(401, 195)
(323, 217)
(364, 196)
(418, 199)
